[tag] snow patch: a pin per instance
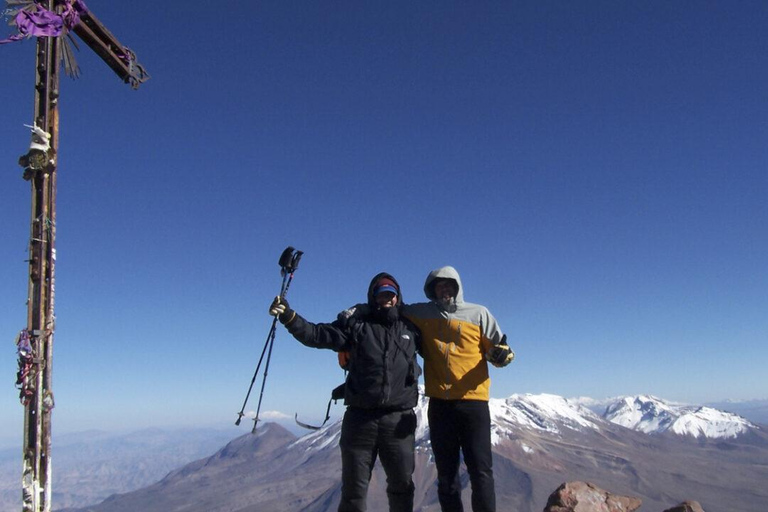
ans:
(320, 439)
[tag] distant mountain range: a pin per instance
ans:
(642, 446)
(90, 466)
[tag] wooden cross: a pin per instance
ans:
(40, 169)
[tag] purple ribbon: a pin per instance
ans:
(24, 345)
(44, 23)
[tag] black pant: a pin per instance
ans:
(366, 434)
(462, 425)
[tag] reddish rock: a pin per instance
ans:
(686, 506)
(586, 497)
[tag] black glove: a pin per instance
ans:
(500, 355)
(282, 310)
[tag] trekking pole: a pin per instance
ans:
(289, 262)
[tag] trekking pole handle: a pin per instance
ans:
(295, 260)
(289, 260)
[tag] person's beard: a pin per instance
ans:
(387, 315)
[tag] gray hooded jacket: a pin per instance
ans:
(455, 338)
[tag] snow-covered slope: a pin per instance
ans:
(543, 412)
(653, 415)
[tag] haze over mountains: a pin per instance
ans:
(641, 446)
(89, 466)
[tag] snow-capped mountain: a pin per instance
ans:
(545, 413)
(552, 415)
(549, 413)
(652, 415)
(642, 413)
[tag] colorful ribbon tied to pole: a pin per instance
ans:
(34, 20)
(26, 358)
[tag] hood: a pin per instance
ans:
(371, 301)
(447, 272)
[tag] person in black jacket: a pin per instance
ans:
(381, 391)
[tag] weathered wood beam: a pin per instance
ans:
(105, 45)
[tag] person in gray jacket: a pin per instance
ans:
(458, 340)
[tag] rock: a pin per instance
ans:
(587, 497)
(686, 506)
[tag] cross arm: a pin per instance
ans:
(118, 57)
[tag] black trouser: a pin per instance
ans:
(366, 434)
(462, 425)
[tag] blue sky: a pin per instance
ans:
(594, 170)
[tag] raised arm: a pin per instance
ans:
(334, 336)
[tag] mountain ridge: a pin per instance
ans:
(540, 441)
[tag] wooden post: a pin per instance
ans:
(40, 169)
(36, 474)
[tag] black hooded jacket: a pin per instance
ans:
(382, 344)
